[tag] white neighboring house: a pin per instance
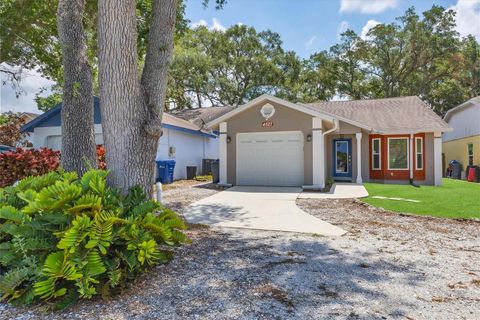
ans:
(182, 140)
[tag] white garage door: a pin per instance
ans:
(270, 158)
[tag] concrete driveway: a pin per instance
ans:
(263, 208)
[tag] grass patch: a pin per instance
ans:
(207, 178)
(454, 199)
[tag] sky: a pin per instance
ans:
(305, 26)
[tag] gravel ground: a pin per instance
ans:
(388, 266)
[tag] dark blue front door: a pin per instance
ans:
(342, 159)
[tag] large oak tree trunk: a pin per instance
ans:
(78, 136)
(132, 108)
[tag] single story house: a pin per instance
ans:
(274, 142)
(182, 140)
(463, 143)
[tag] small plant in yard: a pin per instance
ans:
(205, 178)
(330, 181)
(63, 238)
(101, 157)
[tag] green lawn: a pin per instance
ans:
(454, 199)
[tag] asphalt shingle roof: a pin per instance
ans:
(200, 116)
(389, 115)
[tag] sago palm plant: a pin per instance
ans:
(64, 237)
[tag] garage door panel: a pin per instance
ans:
(270, 159)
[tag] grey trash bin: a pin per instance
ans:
(216, 171)
(207, 166)
(191, 172)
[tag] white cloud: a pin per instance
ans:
(342, 27)
(468, 17)
(199, 23)
(30, 84)
(369, 25)
(310, 41)
(367, 6)
(216, 25)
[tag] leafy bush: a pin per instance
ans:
(21, 163)
(65, 238)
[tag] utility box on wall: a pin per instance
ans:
(171, 151)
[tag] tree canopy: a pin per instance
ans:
(414, 55)
(417, 54)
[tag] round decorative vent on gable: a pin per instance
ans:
(267, 111)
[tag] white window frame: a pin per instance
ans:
(379, 153)
(468, 153)
(417, 153)
(408, 152)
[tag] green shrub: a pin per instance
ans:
(330, 181)
(64, 238)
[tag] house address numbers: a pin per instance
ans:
(267, 124)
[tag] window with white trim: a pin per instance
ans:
(376, 157)
(398, 154)
(470, 154)
(419, 153)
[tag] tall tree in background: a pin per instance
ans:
(470, 58)
(78, 135)
(30, 41)
(347, 66)
(317, 80)
(132, 108)
(415, 55)
(213, 67)
(27, 32)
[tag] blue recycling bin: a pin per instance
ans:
(165, 170)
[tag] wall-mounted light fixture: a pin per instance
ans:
(309, 138)
(229, 139)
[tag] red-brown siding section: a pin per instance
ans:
(383, 173)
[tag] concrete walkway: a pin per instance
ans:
(263, 208)
(338, 191)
